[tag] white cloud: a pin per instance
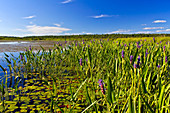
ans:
(159, 21)
(144, 32)
(67, 1)
(149, 28)
(166, 30)
(31, 22)
(83, 33)
(58, 25)
(29, 17)
(43, 30)
(120, 31)
(102, 16)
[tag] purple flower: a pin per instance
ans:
(65, 42)
(107, 39)
(164, 49)
(131, 58)
(145, 39)
(138, 46)
(158, 66)
(86, 60)
(123, 54)
(125, 45)
(83, 42)
(166, 59)
(26, 50)
(100, 82)
(80, 62)
(101, 45)
(146, 53)
(88, 45)
(160, 42)
(76, 44)
(30, 48)
(138, 62)
(153, 39)
(135, 65)
(21, 57)
(100, 39)
(101, 85)
(166, 42)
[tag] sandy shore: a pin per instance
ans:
(6, 46)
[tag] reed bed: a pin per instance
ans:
(97, 76)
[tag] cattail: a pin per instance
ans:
(123, 53)
(101, 85)
(131, 58)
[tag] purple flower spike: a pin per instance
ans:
(65, 42)
(138, 62)
(80, 61)
(153, 39)
(164, 49)
(135, 66)
(146, 53)
(86, 60)
(26, 50)
(131, 58)
(101, 85)
(166, 59)
(123, 54)
(30, 48)
(158, 66)
(76, 44)
(21, 57)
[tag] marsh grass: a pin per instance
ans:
(58, 81)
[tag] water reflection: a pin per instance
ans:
(13, 42)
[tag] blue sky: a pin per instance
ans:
(67, 17)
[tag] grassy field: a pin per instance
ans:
(121, 75)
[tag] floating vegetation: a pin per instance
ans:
(89, 76)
